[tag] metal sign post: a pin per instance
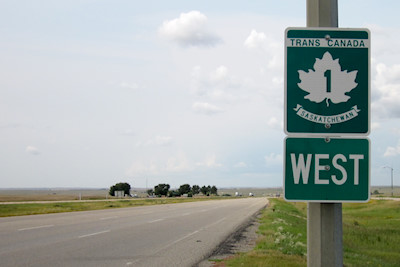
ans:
(324, 220)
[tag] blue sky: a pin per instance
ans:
(97, 92)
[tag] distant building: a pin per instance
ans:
(119, 193)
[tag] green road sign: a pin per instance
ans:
(327, 81)
(326, 170)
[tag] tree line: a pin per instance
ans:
(185, 189)
(164, 190)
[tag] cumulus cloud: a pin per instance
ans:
(206, 108)
(178, 163)
(32, 150)
(221, 73)
(218, 85)
(189, 29)
(259, 40)
(274, 123)
(256, 40)
(392, 151)
(173, 164)
(269, 45)
(386, 96)
(209, 162)
(141, 168)
(375, 125)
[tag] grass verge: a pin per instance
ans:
(371, 232)
(7, 210)
(282, 240)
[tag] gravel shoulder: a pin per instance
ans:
(242, 240)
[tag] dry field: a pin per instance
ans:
(58, 194)
(8, 195)
(46, 194)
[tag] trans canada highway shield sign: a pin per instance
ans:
(327, 81)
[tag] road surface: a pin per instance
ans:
(162, 235)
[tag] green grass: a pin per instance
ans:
(7, 210)
(283, 237)
(371, 235)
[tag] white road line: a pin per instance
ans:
(178, 240)
(36, 227)
(132, 262)
(186, 236)
(153, 221)
(192, 233)
(108, 218)
(98, 233)
(217, 222)
(187, 213)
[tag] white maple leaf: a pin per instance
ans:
(328, 81)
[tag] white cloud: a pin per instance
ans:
(218, 85)
(392, 151)
(190, 29)
(256, 40)
(269, 45)
(221, 73)
(375, 125)
(156, 166)
(178, 164)
(209, 162)
(274, 159)
(274, 123)
(32, 150)
(141, 168)
(386, 96)
(206, 108)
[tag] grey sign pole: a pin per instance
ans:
(324, 220)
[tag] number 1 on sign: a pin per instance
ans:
(327, 74)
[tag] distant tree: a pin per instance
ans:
(150, 192)
(184, 189)
(204, 190)
(174, 193)
(120, 187)
(195, 189)
(161, 189)
(214, 190)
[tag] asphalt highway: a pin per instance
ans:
(162, 235)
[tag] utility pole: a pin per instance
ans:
(324, 222)
(391, 175)
(392, 179)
